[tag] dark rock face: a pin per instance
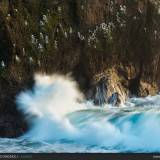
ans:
(10, 126)
(12, 121)
(88, 38)
(114, 99)
(100, 92)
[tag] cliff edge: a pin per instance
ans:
(92, 39)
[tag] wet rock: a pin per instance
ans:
(114, 99)
(10, 126)
(108, 88)
(100, 92)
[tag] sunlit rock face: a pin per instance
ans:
(115, 38)
(105, 86)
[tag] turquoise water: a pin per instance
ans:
(112, 130)
(62, 121)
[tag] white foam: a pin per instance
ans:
(61, 113)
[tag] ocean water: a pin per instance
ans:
(62, 121)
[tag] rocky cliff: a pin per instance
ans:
(91, 39)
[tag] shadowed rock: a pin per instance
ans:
(100, 92)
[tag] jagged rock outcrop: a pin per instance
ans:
(105, 84)
(117, 39)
